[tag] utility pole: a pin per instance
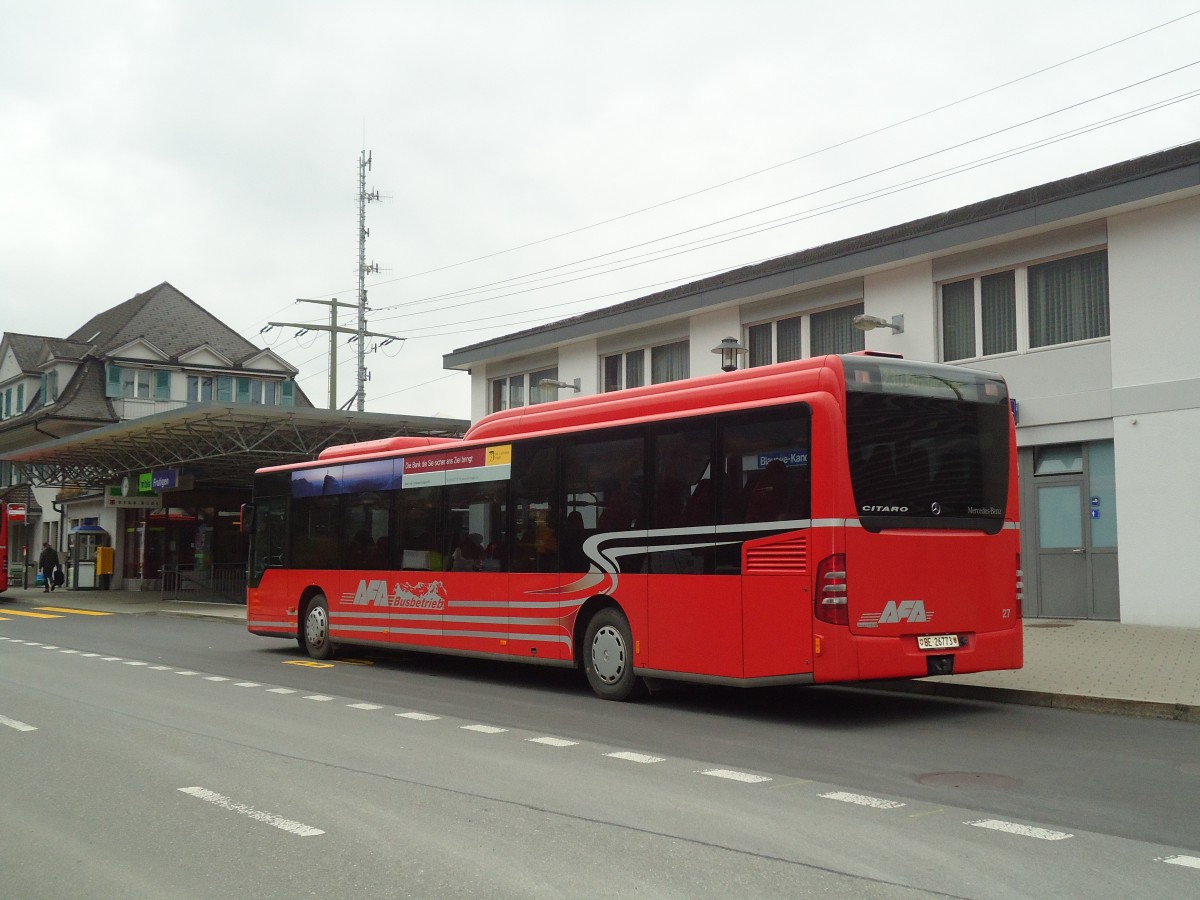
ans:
(364, 164)
(360, 332)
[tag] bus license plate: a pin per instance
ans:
(937, 641)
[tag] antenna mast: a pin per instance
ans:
(364, 197)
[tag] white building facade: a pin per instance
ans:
(1083, 293)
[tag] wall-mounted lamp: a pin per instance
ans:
(551, 383)
(730, 350)
(868, 323)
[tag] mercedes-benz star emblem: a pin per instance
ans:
(936, 508)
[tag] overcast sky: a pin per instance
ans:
(215, 145)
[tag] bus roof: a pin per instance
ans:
(746, 387)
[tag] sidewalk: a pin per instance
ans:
(1138, 670)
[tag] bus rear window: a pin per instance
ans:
(928, 452)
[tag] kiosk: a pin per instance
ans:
(85, 538)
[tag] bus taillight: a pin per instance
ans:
(830, 603)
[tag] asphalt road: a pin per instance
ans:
(160, 756)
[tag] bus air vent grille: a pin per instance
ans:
(784, 558)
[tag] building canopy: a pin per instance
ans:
(221, 445)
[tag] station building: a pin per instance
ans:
(139, 433)
(1084, 293)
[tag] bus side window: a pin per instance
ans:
(766, 466)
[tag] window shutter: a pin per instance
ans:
(112, 384)
(224, 389)
(162, 385)
(287, 393)
(20, 398)
(243, 390)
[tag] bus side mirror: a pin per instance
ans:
(246, 520)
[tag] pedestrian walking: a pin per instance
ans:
(47, 562)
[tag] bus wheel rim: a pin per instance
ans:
(608, 654)
(318, 626)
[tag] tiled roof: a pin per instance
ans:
(27, 348)
(168, 319)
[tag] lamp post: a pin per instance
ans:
(729, 350)
(869, 323)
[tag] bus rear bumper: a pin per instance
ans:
(855, 657)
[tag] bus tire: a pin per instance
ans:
(314, 635)
(608, 655)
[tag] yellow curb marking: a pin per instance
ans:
(75, 612)
(309, 663)
(31, 615)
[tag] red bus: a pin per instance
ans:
(827, 520)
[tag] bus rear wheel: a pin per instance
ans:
(315, 629)
(608, 655)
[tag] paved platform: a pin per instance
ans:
(1138, 670)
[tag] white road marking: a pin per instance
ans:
(68, 651)
(483, 729)
(553, 742)
(744, 777)
(49, 647)
(636, 757)
(320, 697)
(364, 706)
(215, 678)
(113, 658)
(1042, 834)
(420, 717)
(280, 691)
(247, 684)
(297, 828)
(161, 668)
(13, 723)
(90, 655)
(1190, 861)
(186, 672)
(862, 800)
(135, 662)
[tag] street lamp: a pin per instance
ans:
(551, 383)
(869, 323)
(730, 350)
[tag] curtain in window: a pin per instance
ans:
(958, 320)
(787, 339)
(539, 394)
(612, 373)
(669, 362)
(635, 368)
(999, 312)
(759, 339)
(516, 391)
(833, 333)
(1068, 300)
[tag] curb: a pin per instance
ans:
(1143, 709)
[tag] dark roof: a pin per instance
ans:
(168, 319)
(908, 234)
(27, 348)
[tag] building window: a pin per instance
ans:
(625, 370)
(979, 313)
(1068, 300)
(200, 389)
(669, 362)
(829, 331)
(515, 391)
(49, 387)
(135, 384)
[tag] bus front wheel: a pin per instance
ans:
(317, 642)
(608, 655)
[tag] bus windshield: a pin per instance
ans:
(928, 445)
